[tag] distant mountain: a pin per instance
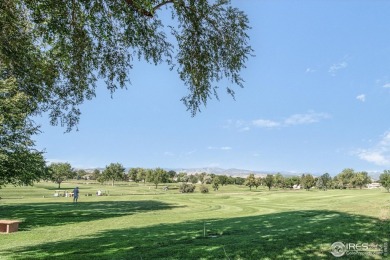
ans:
(220, 171)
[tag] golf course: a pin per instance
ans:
(137, 221)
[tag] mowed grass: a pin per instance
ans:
(138, 221)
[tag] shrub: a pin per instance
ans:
(187, 188)
(204, 189)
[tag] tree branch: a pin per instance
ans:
(146, 12)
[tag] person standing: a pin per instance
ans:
(75, 194)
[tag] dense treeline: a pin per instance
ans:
(347, 179)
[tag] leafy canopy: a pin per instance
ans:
(72, 44)
(52, 53)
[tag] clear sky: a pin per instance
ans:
(316, 99)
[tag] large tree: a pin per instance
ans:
(71, 44)
(54, 52)
(20, 162)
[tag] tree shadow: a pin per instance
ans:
(286, 235)
(55, 214)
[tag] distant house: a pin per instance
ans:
(297, 187)
(374, 185)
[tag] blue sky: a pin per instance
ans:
(316, 99)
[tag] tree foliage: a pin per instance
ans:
(60, 172)
(269, 181)
(308, 181)
(250, 181)
(113, 172)
(159, 176)
(384, 179)
(187, 188)
(58, 50)
(20, 162)
(53, 53)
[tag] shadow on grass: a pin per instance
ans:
(55, 214)
(286, 235)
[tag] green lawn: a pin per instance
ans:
(140, 222)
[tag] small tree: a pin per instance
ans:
(95, 174)
(114, 172)
(187, 188)
(132, 174)
(360, 179)
(60, 171)
(384, 179)
(250, 181)
(215, 184)
(203, 189)
(269, 181)
(141, 175)
(320, 184)
(308, 181)
(193, 178)
(159, 176)
(326, 180)
(279, 180)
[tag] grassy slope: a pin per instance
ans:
(138, 222)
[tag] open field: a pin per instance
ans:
(138, 222)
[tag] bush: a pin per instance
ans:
(204, 189)
(187, 188)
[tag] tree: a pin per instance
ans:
(80, 174)
(171, 175)
(258, 182)
(384, 179)
(69, 45)
(250, 181)
(132, 173)
(54, 52)
(193, 178)
(141, 174)
(326, 181)
(113, 172)
(308, 181)
(289, 182)
(360, 179)
(60, 172)
(96, 174)
(187, 188)
(269, 181)
(239, 181)
(320, 184)
(215, 184)
(20, 162)
(182, 177)
(279, 180)
(223, 179)
(159, 176)
(345, 177)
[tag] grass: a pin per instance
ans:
(138, 222)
